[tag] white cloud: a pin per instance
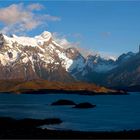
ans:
(108, 55)
(12, 14)
(105, 34)
(61, 40)
(20, 18)
(77, 35)
(52, 18)
(35, 6)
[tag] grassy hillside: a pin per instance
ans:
(18, 86)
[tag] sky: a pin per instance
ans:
(107, 27)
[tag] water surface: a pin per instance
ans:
(113, 112)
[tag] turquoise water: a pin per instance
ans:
(113, 112)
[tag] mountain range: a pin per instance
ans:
(41, 57)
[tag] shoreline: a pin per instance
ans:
(29, 128)
(44, 86)
(59, 91)
(79, 92)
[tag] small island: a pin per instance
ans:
(84, 105)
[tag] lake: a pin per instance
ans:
(113, 112)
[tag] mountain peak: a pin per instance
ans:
(28, 41)
(46, 34)
(110, 58)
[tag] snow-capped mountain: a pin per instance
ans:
(127, 73)
(99, 64)
(40, 57)
(31, 58)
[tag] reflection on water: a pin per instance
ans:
(113, 112)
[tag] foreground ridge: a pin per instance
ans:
(45, 87)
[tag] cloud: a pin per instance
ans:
(86, 51)
(77, 35)
(62, 40)
(35, 6)
(108, 55)
(105, 34)
(18, 18)
(12, 14)
(52, 18)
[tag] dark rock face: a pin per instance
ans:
(18, 71)
(36, 70)
(84, 105)
(58, 74)
(124, 57)
(63, 102)
(125, 75)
